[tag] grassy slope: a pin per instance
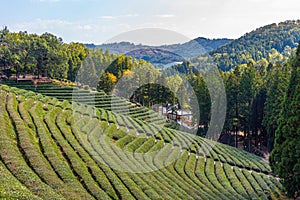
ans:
(54, 150)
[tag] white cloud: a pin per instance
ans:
(131, 15)
(41, 24)
(111, 17)
(85, 27)
(165, 16)
(108, 17)
(58, 27)
(86, 31)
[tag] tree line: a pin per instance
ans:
(23, 53)
(273, 42)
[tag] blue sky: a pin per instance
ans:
(96, 21)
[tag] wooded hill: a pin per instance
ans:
(273, 42)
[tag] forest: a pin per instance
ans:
(22, 53)
(273, 42)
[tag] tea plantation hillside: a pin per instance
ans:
(98, 99)
(53, 149)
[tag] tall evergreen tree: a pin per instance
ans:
(246, 97)
(276, 85)
(232, 93)
(285, 158)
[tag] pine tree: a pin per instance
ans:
(246, 96)
(285, 158)
(276, 86)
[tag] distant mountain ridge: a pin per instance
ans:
(155, 55)
(164, 54)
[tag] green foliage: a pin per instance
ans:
(106, 83)
(23, 53)
(272, 42)
(14, 160)
(76, 55)
(276, 86)
(285, 156)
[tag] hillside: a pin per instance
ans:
(258, 44)
(155, 56)
(174, 52)
(198, 46)
(101, 100)
(53, 149)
